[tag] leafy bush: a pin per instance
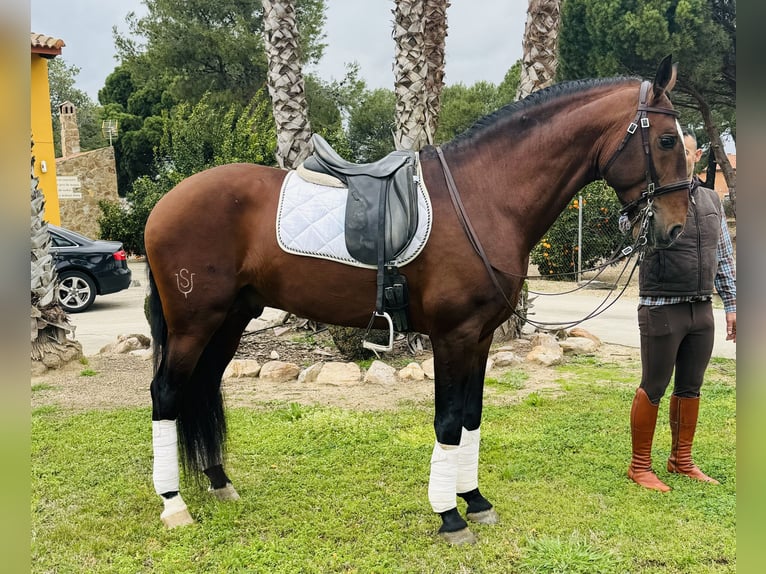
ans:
(557, 251)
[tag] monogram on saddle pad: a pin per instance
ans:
(382, 203)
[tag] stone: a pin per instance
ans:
(545, 340)
(380, 373)
(546, 355)
(145, 354)
(279, 371)
(339, 374)
(412, 372)
(578, 345)
(274, 356)
(505, 359)
(428, 368)
(580, 332)
(310, 374)
(239, 368)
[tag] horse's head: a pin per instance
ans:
(648, 167)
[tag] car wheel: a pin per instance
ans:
(75, 291)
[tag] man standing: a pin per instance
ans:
(675, 319)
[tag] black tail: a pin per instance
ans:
(200, 419)
(157, 325)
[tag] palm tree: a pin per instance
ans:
(435, 30)
(410, 71)
(540, 46)
(285, 80)
(50, 324)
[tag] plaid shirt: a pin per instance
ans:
(725, 278)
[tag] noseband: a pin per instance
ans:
(642, 120)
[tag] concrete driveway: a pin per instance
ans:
(123, 313)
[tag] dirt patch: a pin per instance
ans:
(109, 381)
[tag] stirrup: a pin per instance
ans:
(374, 347)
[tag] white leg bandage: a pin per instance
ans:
(165, 444)
(468, 461)
(441, 486)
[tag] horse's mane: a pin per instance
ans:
(546, 95)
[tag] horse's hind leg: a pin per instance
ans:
(217, 355)
(175, 370)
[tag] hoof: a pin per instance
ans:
(459, 537)
(225, 493)
(176, 513)
(483, 517)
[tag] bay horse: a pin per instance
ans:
(215, 264)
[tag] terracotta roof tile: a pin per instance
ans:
(46, 44)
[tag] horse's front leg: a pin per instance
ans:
(459, 369)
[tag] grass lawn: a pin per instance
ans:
(332, 490)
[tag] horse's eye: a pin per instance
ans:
(667, 142)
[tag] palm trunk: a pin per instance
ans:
(540, 46)
(410, 72)
(51, 348)
(285, 80)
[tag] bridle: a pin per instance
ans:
(651, 190)
(647, 195)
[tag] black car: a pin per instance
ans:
(86, 268)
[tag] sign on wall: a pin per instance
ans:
(69, 187)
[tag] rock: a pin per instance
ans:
(412, 372)
(505, 359)
(546, 355)
(126, 344)
(380, 373)
(545, 340)
(490, 365)
(145, 354)
(239, 368)
(428, 368)
(310, 374)
(578, 345)
(339, 374)
(279, 371)
(580, 332)
(274, 356)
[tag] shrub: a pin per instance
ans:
(557, 251)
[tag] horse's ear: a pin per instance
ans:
(665, 78)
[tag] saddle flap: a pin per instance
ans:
(363, 214)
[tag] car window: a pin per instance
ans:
(59, 241)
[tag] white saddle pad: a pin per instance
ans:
(311, 220)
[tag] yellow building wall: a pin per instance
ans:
(42, 136)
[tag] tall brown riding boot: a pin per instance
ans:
(643, 419)
(683, 424)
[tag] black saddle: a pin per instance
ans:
(382, 204)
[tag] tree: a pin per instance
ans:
(627, 37)
(435, 34)
(285, 81)
(198, 47)
(371, 125)
(540, 46)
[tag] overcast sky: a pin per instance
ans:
(484, 38)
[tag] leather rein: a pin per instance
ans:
(647, 195)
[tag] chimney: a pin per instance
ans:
(70, 133)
